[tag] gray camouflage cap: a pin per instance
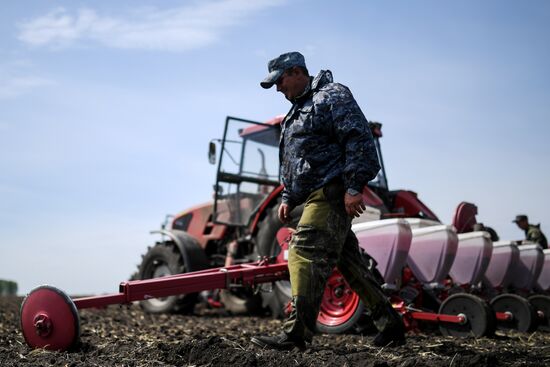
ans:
(520, 217)
(277, 67)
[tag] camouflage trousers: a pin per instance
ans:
(324, 240)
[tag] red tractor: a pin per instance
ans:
(241, 225)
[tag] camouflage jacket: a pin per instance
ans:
(534, 234)
(325, 136)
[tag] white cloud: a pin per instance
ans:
(14, 86)
(177, 29)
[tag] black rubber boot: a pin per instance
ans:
(281, 342)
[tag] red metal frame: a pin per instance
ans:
(465, 217)
(435, 317)
(407, 202)
(504, 316)
(218, 278)
(201, 227)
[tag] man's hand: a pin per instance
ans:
(354, 204)
(284, 213)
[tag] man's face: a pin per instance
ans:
(523, 224)
(291, 84)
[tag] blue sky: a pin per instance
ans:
(107, 108)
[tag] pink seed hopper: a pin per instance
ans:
(472, 258)
(527, 270)
(543, 281)
(388, 242)
(499, 271)
(432, 252)
(541, 300)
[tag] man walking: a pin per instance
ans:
(532, 232)
(327, 155)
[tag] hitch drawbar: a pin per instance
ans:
(50, 320)
(218, 278)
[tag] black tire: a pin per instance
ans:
(161, 260)
(524, 316)
(241, 301)
(266, 238)
(541, 303)
(480, 320)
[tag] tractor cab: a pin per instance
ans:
(248, 169)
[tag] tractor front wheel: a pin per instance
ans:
(162, 260)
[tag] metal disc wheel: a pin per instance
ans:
(479, 319)
(541, 303)
(523, 315)
(49, 319)
(340, 308)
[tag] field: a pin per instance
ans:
(125, 336)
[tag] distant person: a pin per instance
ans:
(532, 231)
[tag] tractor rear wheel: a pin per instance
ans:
(161, 260)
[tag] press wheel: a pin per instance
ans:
(524, 317)
(479, 319)
(49, 319)
(541, 303)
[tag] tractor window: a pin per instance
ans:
(380, 181)
(248, 170)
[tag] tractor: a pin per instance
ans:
(227, 251)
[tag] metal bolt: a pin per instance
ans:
(43, 325)
(464, 319)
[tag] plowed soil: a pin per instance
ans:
(121, 336)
